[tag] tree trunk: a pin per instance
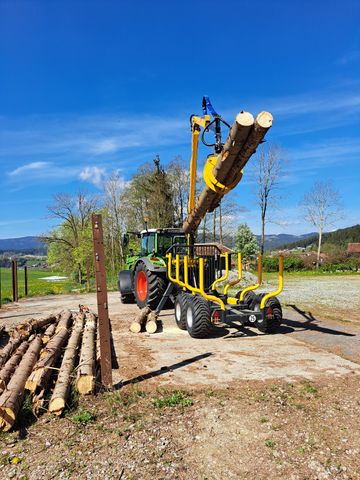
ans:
(244, 137)
(220, 225)
(262, 245)
(140, 319)
(10, 366)
(11, 398)
(63, 382)
(204, 230)
(43, 370)
(86, 371)
(214, 226)
(319, 249)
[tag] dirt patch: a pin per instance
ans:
(255, 430)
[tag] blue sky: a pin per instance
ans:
(95, 86)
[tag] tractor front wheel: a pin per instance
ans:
(198, 322)
(148, 287)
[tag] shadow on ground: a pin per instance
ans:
(162, 370)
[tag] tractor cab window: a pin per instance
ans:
(147, 243)
(166, 240)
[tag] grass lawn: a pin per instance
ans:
(36, 286)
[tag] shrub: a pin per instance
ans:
(291, 263)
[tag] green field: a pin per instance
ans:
(36, 286)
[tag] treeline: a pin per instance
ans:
(339, 239)
(155, 197)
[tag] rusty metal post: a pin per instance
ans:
(102, 301)
(14, 280)
(26, 281)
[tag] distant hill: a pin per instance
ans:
(339, 238)
(29, 245)
(273, 242)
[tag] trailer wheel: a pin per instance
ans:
(198, 321)
(249, 298)
(181, 305)
(148, 287)
(272, 316)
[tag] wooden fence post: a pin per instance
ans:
(26, 280)
(102, 301)
(14, 280)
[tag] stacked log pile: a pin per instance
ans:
(43, 359)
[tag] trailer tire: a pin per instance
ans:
(198, 321)
(271, 320)
(149, 287)
(180, 306)
(249, 298)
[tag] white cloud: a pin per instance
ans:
(29, 167)
(94, 175)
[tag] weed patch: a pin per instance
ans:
(173, 400)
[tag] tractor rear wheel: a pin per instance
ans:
(148, 287)
(180, 306)
(272, 317)
(127, 298)
(198, 321)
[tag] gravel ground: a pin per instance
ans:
(297, 431)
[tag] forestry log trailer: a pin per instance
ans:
(172, 266)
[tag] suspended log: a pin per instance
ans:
(43, 370)
(10, 366)
(140, 319)
(85, 382)
(242, 141)
(262, 124)
(63, 382)
(151, 323)
(11, 398)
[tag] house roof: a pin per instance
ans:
(353, 248)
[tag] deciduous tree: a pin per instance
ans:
(321, 208)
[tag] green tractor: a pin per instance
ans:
(144, 280)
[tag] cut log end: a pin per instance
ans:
(7, 418)
(151, 326)
(244, 119)
(56, 406)
(264, 119)
(85, 384)
(135, 327)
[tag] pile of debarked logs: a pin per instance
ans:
(44, 358)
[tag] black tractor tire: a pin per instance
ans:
(127, 298)
(149, 287)
(272, 318)
(198, 322)
(249, 298)
(180, 306)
